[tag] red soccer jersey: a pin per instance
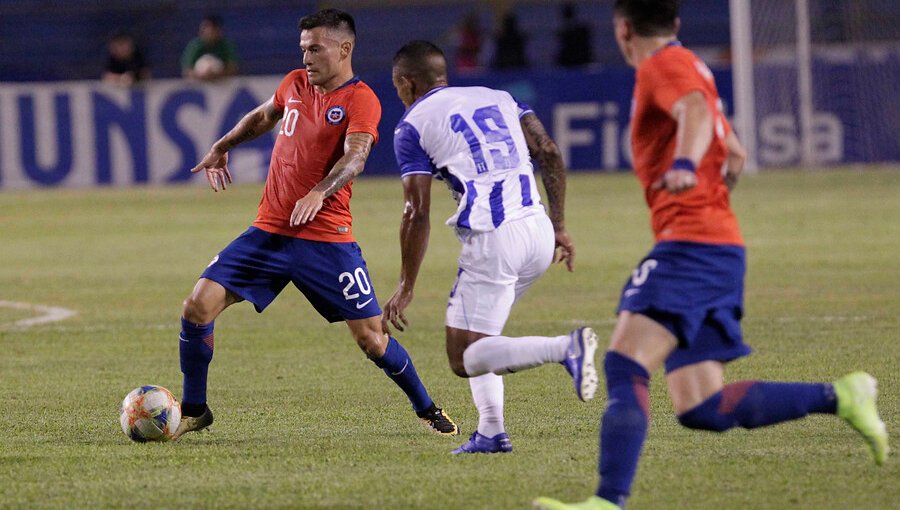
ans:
(702, 214)
(310, 141)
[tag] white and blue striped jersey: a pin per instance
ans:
(471, 138)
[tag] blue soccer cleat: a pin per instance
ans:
(478, 443)
(579, 362)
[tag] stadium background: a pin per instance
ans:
(302, 419)
(53, 53)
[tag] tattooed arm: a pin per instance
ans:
(260, 120)
(553, 174)
(351, 164)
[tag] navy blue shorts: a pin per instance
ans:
(258, 265)
(696, 291)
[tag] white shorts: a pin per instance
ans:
(495, 268)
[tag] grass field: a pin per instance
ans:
(303, 420)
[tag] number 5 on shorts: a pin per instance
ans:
(640, 275)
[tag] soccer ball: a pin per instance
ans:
(150, 413)
(208, 64)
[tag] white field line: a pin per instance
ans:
(48, 314)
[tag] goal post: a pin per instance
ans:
(814, 80)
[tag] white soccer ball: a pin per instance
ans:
(208, 64)
(150, 413)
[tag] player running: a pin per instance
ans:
(478, 140)
(683, 303)
(303, 233)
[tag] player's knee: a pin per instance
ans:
(373, 343)
(458, 367)
(197, 311)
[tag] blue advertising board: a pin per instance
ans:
(92, 134)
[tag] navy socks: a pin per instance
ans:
(397, 365)
(623, 427)
(752, 404)
(196, 349)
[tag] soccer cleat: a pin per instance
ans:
(438, 422)
(579, 362)
(856, 394)
(479, 443)
(592, 503)
(192, 423)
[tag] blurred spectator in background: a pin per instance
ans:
(209, 56)
(125, 65)
(574, 40)
(509, 45)
(468, 42)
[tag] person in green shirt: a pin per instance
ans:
(209, 56)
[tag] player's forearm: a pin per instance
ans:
(251, 126)
(553, 170)
(553, 175)
(415, 229)
(344, 171)
(695, 127)
(356, 151)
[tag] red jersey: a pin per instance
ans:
(701, 214)
(310, 141)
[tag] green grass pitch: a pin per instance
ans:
(303, 420)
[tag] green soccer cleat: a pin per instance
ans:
(192, 423)
(592, 503)
(856, 404)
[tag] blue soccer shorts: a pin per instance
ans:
(333, 276)
(696, 291)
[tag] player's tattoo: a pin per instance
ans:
(553, 169)
(351, 164)
(260, 120)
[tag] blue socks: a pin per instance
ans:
(747, 404)
(196, 349)
(623, 427)
(397, 364)
(752, 404)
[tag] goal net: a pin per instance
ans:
(815, 80)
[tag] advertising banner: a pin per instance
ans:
(90, 134)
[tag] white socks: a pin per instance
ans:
(503, 355)
(487, 392)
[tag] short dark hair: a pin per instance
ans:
(416, 58)
(417, 51)
(649, 17)
(329, 18)
(214, 20)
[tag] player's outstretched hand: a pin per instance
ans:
(216, 165)
(676, 181)
(393, 309)
(565, 249)
(307, 207)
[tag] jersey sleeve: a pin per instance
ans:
(364, 113)
(411, 157)
(523, 108)
(670, 79)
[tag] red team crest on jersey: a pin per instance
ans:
(335, 115)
